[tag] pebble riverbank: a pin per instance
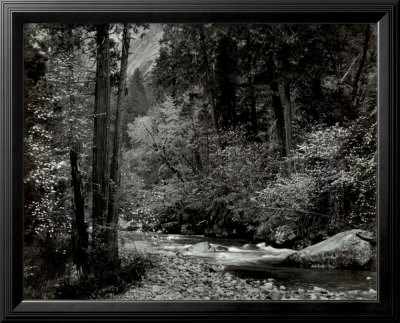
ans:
(178, 277)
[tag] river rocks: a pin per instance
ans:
(189, 278)
(344, 250)
(215, 269)
(269, 286)
(250, 246)
(156, 289)
(205, 247)
(275, 295)
(201, 247)
(221, 248)
(128, 225)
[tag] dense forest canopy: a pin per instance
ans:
(265, 132)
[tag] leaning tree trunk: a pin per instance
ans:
(103, 253)
(115, 172)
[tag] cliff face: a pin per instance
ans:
(144, 51)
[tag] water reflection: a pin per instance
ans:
(255, 262)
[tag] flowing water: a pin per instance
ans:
(255, 262)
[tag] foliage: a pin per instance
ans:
(133, 268)
(235, 131)
(335, 170)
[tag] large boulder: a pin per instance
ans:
(344, 250)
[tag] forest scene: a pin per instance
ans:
(200, 161)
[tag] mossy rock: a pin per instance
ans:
(345, 250)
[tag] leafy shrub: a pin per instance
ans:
(358, 178)
(291, 200)
(334, 177)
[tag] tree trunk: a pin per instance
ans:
(360, 67)
(317, 105)
(252, 95)
(208, 83)
(115, 172)
(81, 236)
(287, 114)
(81, 248)
(103, 253)
(226, 93)
(253, 111)
(288, 118)
(277, 107)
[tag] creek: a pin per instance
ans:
(253, 262)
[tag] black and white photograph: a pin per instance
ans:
(200, 161)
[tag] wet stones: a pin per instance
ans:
(190, 278)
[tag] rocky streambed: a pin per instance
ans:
(193, 278)
(200, 268)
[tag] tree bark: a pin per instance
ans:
(102, 260)
(252, 94)
(360, 67)
(115, 172)
(226, 93)
(208, 82)
(287, 116)
(82, 239)
(277, 106)
(253, 111)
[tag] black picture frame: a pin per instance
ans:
(15, 13)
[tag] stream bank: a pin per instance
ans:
(240, 271)
(194, 278)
